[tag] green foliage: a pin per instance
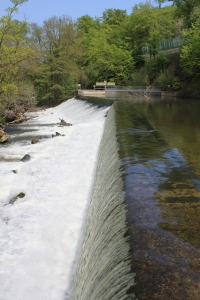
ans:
(161, 62)
(86, 23)
(56, 73)
(176, 85)
(2, 120)
(105, 61)
(189, 56)
(164, 80)
(114, 16)
(185, 9)
(140, 77)
(153, 43)
(159, 2)
(14, 8)
(147, 25)
(46, 62)
(14, 50)
(155, 66)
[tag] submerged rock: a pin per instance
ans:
(57, 134)
(3, 136)
(37, 139)
(26, 157)
(2, 127)
(34, 141)
(63, 123)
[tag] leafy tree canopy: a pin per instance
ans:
(14, 50)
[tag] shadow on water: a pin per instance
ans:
(25, 127)
(96, 101)
(22, 134)
(159, 146)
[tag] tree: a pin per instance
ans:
(114, 16)
(146, 26)
(13, 51)
(105, 55)
(86, 23)
(190, 60)
(107, 61)
(56, 72)
(159, 2)
(185, 8)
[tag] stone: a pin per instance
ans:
(34, 141)
(3, 136)
(57, 134)
(26, 157)
(63, 123)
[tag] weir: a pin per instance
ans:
(103, 269)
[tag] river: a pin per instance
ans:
(159, 147)
(160, 150)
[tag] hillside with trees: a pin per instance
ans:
(44, 64)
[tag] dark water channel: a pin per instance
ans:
(160, 150)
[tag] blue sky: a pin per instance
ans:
(39, 10)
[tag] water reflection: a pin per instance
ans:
(162, 195)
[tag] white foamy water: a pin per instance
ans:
(41, 233)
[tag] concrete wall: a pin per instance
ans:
(92, 93)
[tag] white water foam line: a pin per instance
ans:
(103, 271)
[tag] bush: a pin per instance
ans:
(176, 84)
(164, 80)
(140, 78)
(155, 66)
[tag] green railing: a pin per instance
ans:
(166, 44)
(170, 43)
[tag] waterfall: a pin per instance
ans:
(103, 269)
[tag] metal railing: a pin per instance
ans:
(133, 88)
(166, 44)
(132, 91)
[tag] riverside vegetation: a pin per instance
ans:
(43, 64)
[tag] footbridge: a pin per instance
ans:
(131, 92)
(114, 91)
(165, 46)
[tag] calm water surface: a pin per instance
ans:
(160, 150)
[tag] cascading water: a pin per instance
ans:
(103, 270)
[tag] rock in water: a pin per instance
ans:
(25, 158)
(34, 141)
(63, 123)
(3, 136)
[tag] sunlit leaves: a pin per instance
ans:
(56, 73)
(14, 50)
(147, 25)
(190, 59)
